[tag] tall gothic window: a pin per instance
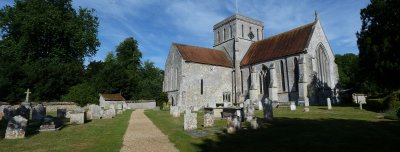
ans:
(322, 65)
(283, 77)
(201, 86)
(261, 83)
(296, 74)
(224, 35)
(258, 38)
(219, 37)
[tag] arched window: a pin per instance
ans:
(322, 62)
(261, 83)
(283, 77)
(224, 34)
(230, 30)
(241, 79)
(296, 74)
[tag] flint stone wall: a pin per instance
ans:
(149, 104)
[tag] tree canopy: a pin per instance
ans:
(378, 42)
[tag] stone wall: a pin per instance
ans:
(142, 105)
(53, 106)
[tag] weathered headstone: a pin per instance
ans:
(259, 105)
(61, 113)
(109, 113)
(77, 117)
(233, 124)
(267, 109)
(292, 106)
(217, 112)
(95, 112)
(174, 110)
(24, 112)
(190, 121)
(125, 106)
(16, 127)
(38, 112)
(328, 102)
(50, 123)
(9, 112)
(249, 112)
(208, 117)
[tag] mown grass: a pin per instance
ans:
(96, 135)
(339, 129)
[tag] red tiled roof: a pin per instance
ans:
(113, 97)
(203, 55)
(284, 44)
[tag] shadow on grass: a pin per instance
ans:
(289, 134)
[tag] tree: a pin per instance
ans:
(348, 70)
(48, 40)
(151, 83)
(128, 54)
(378, 42)
(82, 94)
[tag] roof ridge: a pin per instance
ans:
(297, 28)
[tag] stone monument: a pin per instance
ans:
(208, 117)
(268, 112)
(38, 112)
(16, 127)
(190, 121)
(328, 102)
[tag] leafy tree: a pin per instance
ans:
(378, 42)
(45, 42)
(128, 54)
(151, 83)
(348, 70)
(82, 94)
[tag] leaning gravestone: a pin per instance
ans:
(61, 113)
(16, 127)
(77, 117)
(24, 112)
(267, 109)
(38, 112)
(233, 124)
(108, 114)
(328, 102)
(208, 117)
(190, 121)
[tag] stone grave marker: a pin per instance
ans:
(38, 112)
(9, 112)
(24, 112)
(208, 117)
(77, 117)
(292, 106)
(108, 114)
(61, 113)
(328, 102)
(95, 112)
(119, 109)
(16, 127)
(267, 109)
(233, 124)
(254, 124)
(174, 110)
(190, 121)
(50, 123)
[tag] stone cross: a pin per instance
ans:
(27, 95)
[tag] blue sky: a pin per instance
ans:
(158, 23)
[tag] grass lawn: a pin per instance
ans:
(96, 135)
(339, 129)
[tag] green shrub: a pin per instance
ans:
(376, 105)
(82, 94)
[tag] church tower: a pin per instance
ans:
(234, 35)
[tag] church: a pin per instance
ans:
(294, 66)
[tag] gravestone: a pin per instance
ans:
(267, 109)
(328, 102)
(108, 114)
(50, 123)
(254, 124)
(249, 112)
(259, 105)
(208, 117)
(217, 112)
(292, 106)
(77, 117)
(9, 112)
(95, 112)
(38, 112)
(119, 109)
(24, 112)
(16, 128)
(174, 110)
(61, 113)
(190, 121)
(306, 109)
(68, 114)
(233, 124)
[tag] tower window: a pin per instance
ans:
(242, 31)
(258, 38)
(201, 86)
(219, 37)
(224, 34)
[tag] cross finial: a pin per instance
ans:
(316, 15)
(27, 95)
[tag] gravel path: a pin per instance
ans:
(143, 136)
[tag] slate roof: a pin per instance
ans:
(112, 97)
(203, 55)
(285, 44)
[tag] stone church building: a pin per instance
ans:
(295, 66)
